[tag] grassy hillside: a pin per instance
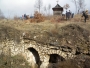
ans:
(72, 34)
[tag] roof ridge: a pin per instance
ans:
(57, 6)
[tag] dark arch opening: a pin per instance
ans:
(36, 55)
(55, 58)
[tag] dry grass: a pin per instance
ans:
(79, 18)
(13, 62)
(21, 25)
(45, 26)
(38, 28)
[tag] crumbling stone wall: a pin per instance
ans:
(44, 51)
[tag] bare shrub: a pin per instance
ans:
(1, 15)
(16, 17)
(38, 17)
(66, 6)
(55, 19)
(64, 64)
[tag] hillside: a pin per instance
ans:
(68, 36)
(71, 35)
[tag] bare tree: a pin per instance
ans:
(1, 15)
(49, 7)
(81, 5)
(66, 6)
(45, 9)
(75, 3)
(39, 4)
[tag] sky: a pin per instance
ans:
(11, 8)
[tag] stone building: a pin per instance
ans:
(57, 10)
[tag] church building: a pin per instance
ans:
(57, 10)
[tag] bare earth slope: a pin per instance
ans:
(68, 36)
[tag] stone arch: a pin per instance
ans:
(36, 55)
(55, 58)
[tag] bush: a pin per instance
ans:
(87, 63)
(38, 17)
(64, 64)
(13, 62)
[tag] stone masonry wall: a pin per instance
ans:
(10, 48)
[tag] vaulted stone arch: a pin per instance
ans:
(36, 55)
(55, 58)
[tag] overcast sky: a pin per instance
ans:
(20, 7)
